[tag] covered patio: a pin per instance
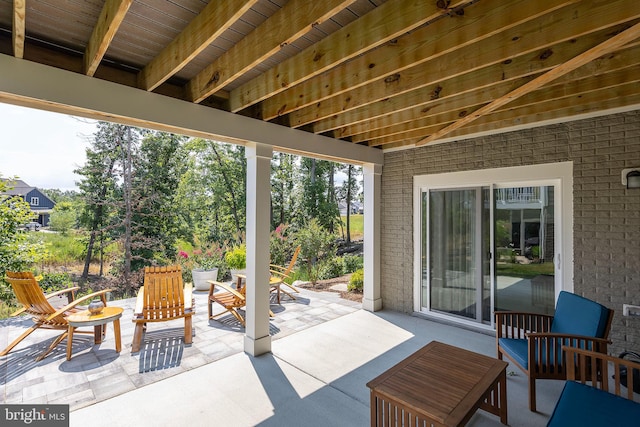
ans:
(325, 350)
(427, 96)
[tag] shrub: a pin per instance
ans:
(51, 282)
(236, 258)
(330, 268)
(316, 243)
(352, 263)
(356, 283)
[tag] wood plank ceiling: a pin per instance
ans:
(388, 74)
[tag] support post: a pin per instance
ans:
(372, 300)
(257, 340)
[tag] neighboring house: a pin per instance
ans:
(41, 205)
(356, 208)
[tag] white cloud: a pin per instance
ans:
(42, 148)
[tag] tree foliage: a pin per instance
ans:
(17, 252)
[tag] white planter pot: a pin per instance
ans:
(201, 277)
(234, 275)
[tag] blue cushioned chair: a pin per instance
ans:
(533, 342)
(582, 404)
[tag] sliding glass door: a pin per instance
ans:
(487, 248)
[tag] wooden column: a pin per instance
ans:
(257, 340)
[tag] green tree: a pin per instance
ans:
(17, 253)
(212, 193)
(318, 200)
(158, 167)
(348, 192)
(63, 217)
(315, 243)
(98, 187)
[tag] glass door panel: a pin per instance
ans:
(454, 241)
(524, 239)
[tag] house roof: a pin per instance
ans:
(388, 74)
(20, 188)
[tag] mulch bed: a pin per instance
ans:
(325, 285)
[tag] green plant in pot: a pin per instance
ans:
(236, 260)
(206, 265)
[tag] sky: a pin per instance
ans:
(42, 148)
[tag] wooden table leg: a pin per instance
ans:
(502, 401)
(69, 341)
(97, 334)
(116, 332)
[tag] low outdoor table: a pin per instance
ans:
(99, 322)
(439, 385)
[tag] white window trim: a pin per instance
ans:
(35, 201)
(552, 173)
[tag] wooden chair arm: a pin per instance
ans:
(514, 324)
(225, 287)
(76, 302)
(540, 336)
(63, 291)
(188, 296)
(139, 302)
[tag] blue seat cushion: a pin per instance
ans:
(582, 405)
(517, 349)
(579, 316)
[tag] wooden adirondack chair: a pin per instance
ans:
(36, 303)
(230, 299)
(163, 297)
(279, 273)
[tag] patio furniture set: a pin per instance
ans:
(162, 297)
(439, 385)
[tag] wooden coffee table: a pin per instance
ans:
(439, 385)
(99, 322)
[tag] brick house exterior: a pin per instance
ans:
(606, 227)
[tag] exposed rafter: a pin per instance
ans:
(112, 15)
(214, 19)
(19, 15)
(610, 45)
(388, 21)
(296, 18)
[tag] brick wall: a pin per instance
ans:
(606, 232)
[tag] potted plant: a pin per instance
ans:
(206, 264)
(236, 260)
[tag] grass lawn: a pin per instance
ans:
(525, 271)
(356, 225)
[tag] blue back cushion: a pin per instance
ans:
(579, 316)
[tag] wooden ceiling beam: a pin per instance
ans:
(111, 16)
(288, 24)
(479, 21)
(419, 103)
(610, 45)
(214, 19)
(383, 24)
(18, 34)
(543, 114)
(574, 90)
(535, 36)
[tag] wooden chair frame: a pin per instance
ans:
(279, 274)
(542, 345)
(163, 297)
(229, 298)
(36, 303)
